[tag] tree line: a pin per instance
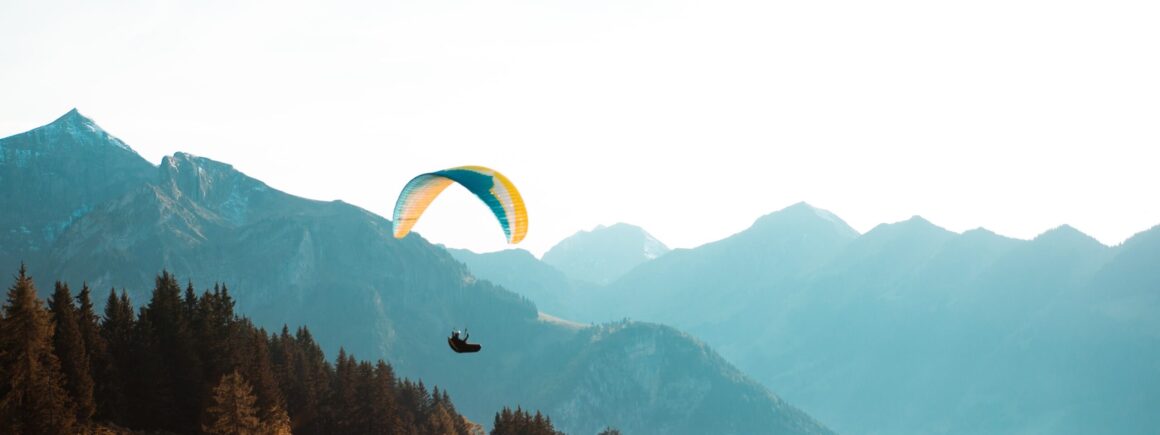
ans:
(187, 363)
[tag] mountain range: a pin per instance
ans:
(81, 205)
(605, 253)
(911, 328)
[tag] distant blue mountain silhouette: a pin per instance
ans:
(605, 253)
(911, 328)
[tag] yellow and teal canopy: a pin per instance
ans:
(489, 185)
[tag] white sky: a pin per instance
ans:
(688, 118)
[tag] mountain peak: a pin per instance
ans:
(1069, 235)
(801, 213)
(71, 114)
(74, 118)
(621, 227)
(78, 129)
(195, 174)
(916, 226)
(212, 184)
(918, 219)
(603, 254)
(1061, 231)
(181, 158)
(802, 207)
(983, 233)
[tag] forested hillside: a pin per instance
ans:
(187, 363)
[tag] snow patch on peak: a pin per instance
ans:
(83, 130)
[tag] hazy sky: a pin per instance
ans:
(689, 118)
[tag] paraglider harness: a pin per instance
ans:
(460, 345)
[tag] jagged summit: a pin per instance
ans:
(66, 168)
(80, 129)
(214, 185)
(182, 161)
(72, 114)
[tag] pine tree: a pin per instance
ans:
(172, 398)
(189, 303)
(520, 422)
(462, 425)
(343, 401)
(277, 422)
(410, 403)
(504, 422)
(255, 366)
(214, 328)
(274, 383)
(233, 410)
(33, 399)
(310, 385)
(100, 365)
(439, 421)
(69, 346)
(117, 331)
(609, 431)
(383, 406)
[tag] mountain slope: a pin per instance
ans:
(521, 272)
(66, 168)
(605, 253)
(335, 268)
(661, 365)
(911, 328)
(764, 263)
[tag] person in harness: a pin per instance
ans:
(460, 345)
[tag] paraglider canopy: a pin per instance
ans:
(487, 184)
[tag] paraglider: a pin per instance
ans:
(489, 185)
(460, 345)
